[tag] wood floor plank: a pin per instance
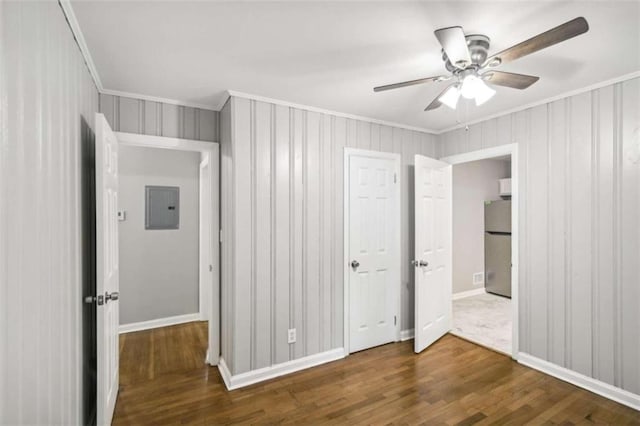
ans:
(164, 380)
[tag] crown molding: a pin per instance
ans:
(67, 10)
(157, 99)
(595, 86)
(237, 94)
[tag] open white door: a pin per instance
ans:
(433, 251)
(107, 281)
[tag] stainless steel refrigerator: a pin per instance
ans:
(497, 247)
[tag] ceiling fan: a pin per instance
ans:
(466, 58)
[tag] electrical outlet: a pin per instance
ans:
(291, 335)
(478, 278)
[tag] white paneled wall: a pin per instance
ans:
(282, 202)
(132, 115)
(47, 105)
(579, 228)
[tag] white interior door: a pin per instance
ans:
(432, 251)
(206, 264)
(107, 282)
(373, 249)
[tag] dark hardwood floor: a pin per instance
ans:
(164, 381)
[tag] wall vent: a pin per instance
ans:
(478, 278)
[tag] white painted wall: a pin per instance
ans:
(579, 228)
(283, 261)
(473, 184)
(47, 106)
(158, 268)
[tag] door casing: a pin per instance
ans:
(348, 153)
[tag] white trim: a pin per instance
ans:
(157, 323)
(348, 152)
(498, 151)
(224, 373)
(481, 154)
(245, 379)
(596, 386)
(406, 334)
(164, 142)
(157, 99)
(595, 86)
(211, 151)
(468, 293)
(65, 5)
(326, 111)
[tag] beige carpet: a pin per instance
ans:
(484, 319)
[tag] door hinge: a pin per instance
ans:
(395, 178)
(220, 235)
(395, 320)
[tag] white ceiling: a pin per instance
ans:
(331, 54)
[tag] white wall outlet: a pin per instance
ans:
(478, 278)
(291, 336)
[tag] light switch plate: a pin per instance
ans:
(122, 215)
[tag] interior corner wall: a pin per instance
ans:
(132, 115)
(473, 184)
(579, 225)
(47, 105)
(159, 269)
(282, 204)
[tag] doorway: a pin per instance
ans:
(160, 204)
(207, 222)
(372, 248)
(485, 248)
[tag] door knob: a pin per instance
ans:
(419, 263)
(355, 264)
(111, 296)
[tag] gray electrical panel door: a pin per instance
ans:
(162, 209)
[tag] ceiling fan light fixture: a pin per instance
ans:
(450, 97)
(483, 93)
(470, 85)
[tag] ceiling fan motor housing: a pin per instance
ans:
(478, 45)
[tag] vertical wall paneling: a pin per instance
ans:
(580, 207)
(242, 234)
(537, 242)
(579, 228)
(132, 115)
(287, 206)
(630, 262)
(48, 100)
(262, 139)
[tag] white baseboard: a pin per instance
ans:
(406, 334)
(596, 386)
(468, 293)
(245, 379)
(160, 322)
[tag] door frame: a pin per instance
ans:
(209, 151)
(204, 211)
(487, 154)
(354, 152)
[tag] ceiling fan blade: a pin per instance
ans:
(436, 102)
(410, 83)
(454, 45)
(556, 35)
(508, 79)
